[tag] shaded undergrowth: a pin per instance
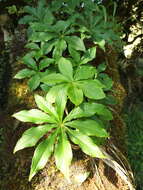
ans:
(134, 121)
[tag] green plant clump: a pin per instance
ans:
(62, 42)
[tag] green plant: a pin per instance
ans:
(60, 126)
(62, 49)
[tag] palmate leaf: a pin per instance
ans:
(85, 143)
(42, 154)
(63, 154)
(34, 116)
(31, 136)
(24, 73)
(88, 127)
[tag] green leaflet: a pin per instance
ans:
(74, 54)
(88, 110)
(33, 46)
(34, 116)
(75, 95)
(65, 67)
(100, 110)
(106, 80)
(88, 127)
(45, 63)
(60, 102)
(45, 106)
(89, 55)
(24, 73)
(61, 26)
(84, 72)
(60, 47)
(101, 67)
(31, 136)
(74, 114)
(30, 62)
(63, 154)
(86, 144)
(42, 154)
(41, 36)
(34, 82)
(75, 42)
(52, 94)
(47, 46)
(93, 89)
(54, 78)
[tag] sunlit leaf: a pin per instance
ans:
(31, 136)
(45, 106)
(84, 72)
(93, 89)
(24, 73)
(63, 154)
(61, 101)
(42, 154)
(60, 47)
(54, 78)
(66, 68)
(88, 127)
(75, 42)
(75, 95)
(34, 82)
(34, 116)
(52, 94)
(86, 144)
